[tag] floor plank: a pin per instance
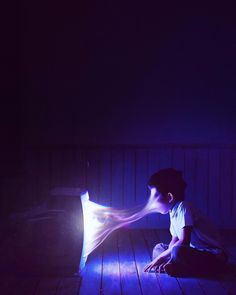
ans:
(111, 283)
(48, 286)
(190, 286)
(130, 282)
(149, 281)
(228, 282)
(116, 268)
(212, 286)
(91, 275)
(13, 285)
(69, 285)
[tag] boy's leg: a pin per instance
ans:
(189, 261)
(158, 249)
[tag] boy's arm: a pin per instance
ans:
(175, 241)
(184, 239)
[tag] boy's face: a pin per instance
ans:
(163, 203)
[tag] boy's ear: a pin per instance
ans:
(171, 197)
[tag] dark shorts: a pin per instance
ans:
(192, 261)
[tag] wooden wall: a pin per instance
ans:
(117, 176)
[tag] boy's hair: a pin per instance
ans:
(169, 180)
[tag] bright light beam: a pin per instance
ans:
(100, 221)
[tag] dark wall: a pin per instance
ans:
(10, 104)
(124, 72)
(129, 72)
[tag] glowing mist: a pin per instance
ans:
(100, 221)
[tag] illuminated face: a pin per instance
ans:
(163, 203)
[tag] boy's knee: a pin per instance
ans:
(178, 252)
(158, 249)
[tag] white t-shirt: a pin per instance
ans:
(204, 234)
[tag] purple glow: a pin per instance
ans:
(110, 267)
(100, 221)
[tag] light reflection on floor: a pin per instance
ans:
(110, 267)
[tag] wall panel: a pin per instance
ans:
(117, 176)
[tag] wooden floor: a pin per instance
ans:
(116, 267)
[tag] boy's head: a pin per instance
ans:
(169, 182)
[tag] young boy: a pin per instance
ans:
(195, 247)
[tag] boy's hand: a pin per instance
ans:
(157, 264)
